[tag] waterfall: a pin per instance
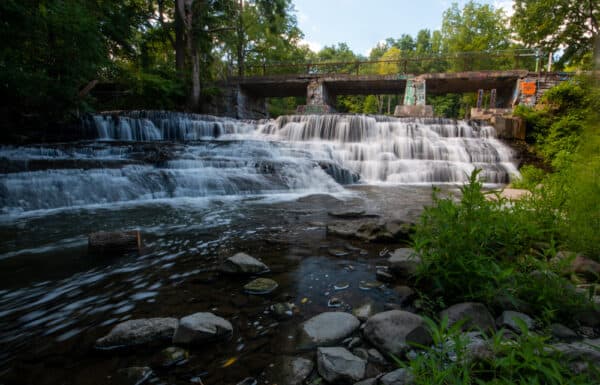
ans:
(148, 155)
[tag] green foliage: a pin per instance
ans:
(531, 176)
(371, 105)
(464, 246)
(483, 250)
(528, 359)
(552, 24)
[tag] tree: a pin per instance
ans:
(559, 24)
(475, 28)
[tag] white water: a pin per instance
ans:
(203, 156)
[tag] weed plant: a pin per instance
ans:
(527, 359)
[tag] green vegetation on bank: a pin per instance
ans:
(528, 359)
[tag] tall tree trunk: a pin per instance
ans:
(241, 39)
(180, 38)
(191, 56)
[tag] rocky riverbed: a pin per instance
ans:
(294, 291)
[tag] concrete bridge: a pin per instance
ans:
(247, 95)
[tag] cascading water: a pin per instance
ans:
(144, 155)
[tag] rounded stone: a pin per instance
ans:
(339, 365)
(394, 331)
(330, 327)
(474, 315)
(200, 327)
(242, 263)
(261, 286)
(139, 332)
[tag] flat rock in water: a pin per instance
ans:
(372, 231)
(242, 263)
(330, 327)
(508, 319)
(398, 377)
(475, 315)
(404, 262)
(139, 332)
(393, 331)
(261, 286)
(339, 365)
(201, 327)
(289, 370)
(347, 213)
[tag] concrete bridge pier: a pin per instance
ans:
(319, 98)
(415, 100)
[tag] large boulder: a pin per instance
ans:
(201, 327)
(404, 262)
(139, 332)
(475, 316)
(242, 263)
(395, 330)
(339, 365)
(329, 328)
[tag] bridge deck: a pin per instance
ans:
(437, 83)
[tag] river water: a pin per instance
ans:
(200, 189)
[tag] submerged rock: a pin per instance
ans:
(404, 262)
(330, 327)
(242, 263)
(290, 370)
(139, 332)
(283, 310)
(170, 356)
(339, 365)
(372, 231)
(135, 375)
(261, 286)
(201, 327)
(393, 331)
(363, 312)
(475, 316)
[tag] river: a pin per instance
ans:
(200, 189)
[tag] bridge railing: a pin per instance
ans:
(463, 61)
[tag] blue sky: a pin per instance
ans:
(363, 23)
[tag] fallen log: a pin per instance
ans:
(116, 243)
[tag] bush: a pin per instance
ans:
(488, 251)
(468, 248)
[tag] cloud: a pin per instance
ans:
(506, 5)
(313, 45)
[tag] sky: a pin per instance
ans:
(363, 23)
